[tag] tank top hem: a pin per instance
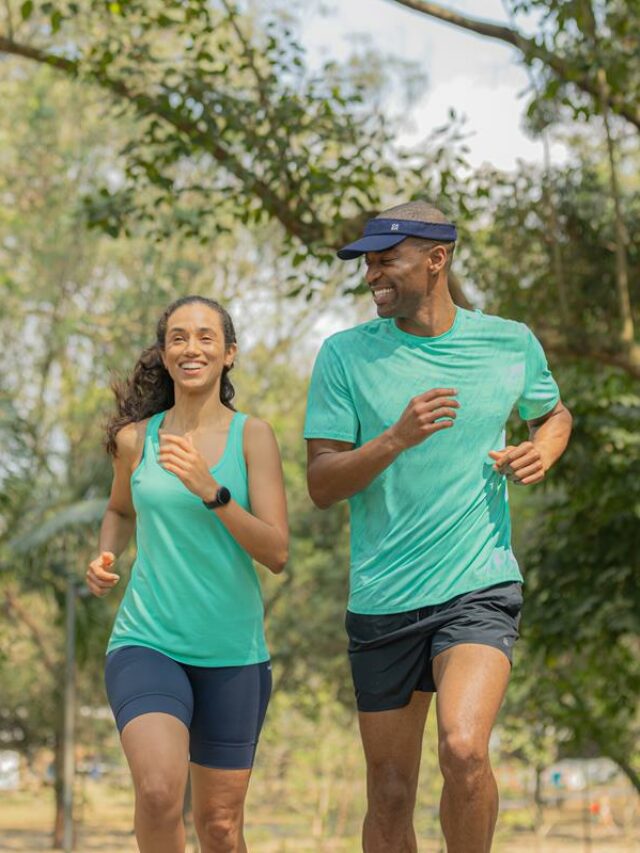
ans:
(251, 661)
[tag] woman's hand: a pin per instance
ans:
(99, 579)
(179, 456)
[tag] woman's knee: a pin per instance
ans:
(159, 798)
(219, 828)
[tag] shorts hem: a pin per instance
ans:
(473, 643)
(179, 710)
(226, 756)
(385, 708)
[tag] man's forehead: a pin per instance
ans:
(394, 251)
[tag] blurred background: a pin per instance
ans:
(154, 149)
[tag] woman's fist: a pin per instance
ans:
(99, 579)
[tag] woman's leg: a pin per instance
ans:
(229, 708)
(218, 808)
(157, 749)
(152, 701)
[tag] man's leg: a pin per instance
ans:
(392, 743)
(471, 681)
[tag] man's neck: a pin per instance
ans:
(434, 317)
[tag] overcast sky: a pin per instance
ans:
(478, 77)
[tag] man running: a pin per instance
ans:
(406, 419)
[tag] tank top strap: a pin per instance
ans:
(151, 435)
(235, 446)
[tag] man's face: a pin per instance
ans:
(398, 279)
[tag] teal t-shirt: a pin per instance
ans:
(435, 523)
(193, 594)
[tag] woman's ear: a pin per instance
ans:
(230, 355)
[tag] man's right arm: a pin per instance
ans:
(337, 470)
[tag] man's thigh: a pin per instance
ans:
(471, 683)
(392, 742)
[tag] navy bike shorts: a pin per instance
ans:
(392, 654)
(223, 707)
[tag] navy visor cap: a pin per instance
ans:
(381, 234)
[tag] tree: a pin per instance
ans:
(560, 48)
(228, 123)
(581, 624)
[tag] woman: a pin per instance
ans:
(187, 673)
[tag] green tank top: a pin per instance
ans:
(193, 593)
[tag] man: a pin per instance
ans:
(406, 419)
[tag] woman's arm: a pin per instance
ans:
(119, 519)
(264, 531)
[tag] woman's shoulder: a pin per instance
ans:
(130, 438)
(256, 426)
(258, 434)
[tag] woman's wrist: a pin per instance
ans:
(209, 490)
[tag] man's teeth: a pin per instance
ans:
(381, 294)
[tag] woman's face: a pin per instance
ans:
(194, 349)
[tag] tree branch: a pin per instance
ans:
(9, 15)
(626, 360)
(307, 232)
(530, 49)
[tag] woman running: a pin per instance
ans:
(188, 674)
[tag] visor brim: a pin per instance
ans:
(372, 243)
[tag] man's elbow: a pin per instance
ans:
(320, 499)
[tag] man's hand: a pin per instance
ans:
(426, 414)
(521, 464)
(99, 579)
(178, 455)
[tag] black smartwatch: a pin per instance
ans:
(222, 498)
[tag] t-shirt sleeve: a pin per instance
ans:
(540, 393)
(331, 411)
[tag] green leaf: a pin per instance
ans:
(81, 513)
(56, 21)
(26, 10)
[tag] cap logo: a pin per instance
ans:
(395, 227)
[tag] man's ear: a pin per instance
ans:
(438, 259)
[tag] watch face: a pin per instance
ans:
(224, 495)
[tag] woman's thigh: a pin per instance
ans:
(229, 707)
(152, 701)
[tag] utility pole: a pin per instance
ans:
(69, 712)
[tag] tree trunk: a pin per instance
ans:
(58, 769)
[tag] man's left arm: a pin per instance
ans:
(528, 463)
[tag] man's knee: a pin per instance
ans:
(464, 758)
(219, 828)
(391, 790)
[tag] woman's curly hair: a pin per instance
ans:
(149, 388)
